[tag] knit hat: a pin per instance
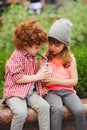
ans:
(61, 30)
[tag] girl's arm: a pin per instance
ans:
(66, 82)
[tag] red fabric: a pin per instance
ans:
(12, 1)
(20, 63)
(61, 73)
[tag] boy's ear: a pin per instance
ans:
(25, 45)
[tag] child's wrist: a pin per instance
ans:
(36, 77)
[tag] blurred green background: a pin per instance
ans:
(76, 11)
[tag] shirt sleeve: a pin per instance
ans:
(16, 67)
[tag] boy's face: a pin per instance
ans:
(33, 50)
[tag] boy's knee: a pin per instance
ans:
(22, 114)
(44, 106)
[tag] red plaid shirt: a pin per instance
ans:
(20, 63)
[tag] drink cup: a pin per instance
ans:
(48, 66)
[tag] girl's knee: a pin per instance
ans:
(79, 112)
(57, 109)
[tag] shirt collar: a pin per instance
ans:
(27, 54)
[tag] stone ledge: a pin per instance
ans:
(31, 121)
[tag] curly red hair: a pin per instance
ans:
(28, 34)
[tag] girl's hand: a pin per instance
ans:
(50, 81)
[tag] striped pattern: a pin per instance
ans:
(20, 63)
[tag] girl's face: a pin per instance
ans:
(56, 48)
(33, 50)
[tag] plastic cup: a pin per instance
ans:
(48, 66)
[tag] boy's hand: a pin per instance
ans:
(42, 74)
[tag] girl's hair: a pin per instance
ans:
(28, 34)
(64, 55)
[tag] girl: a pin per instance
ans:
(60, 86)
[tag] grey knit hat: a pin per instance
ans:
(61, 30)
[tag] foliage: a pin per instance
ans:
(12, 17)
(78, 16)
(81, 56)
(2, 68)
(15, 15)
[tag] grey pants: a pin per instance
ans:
(19, 108)
(57, 99)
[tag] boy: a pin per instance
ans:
(22, 76)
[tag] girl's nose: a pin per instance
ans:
(52, 46)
